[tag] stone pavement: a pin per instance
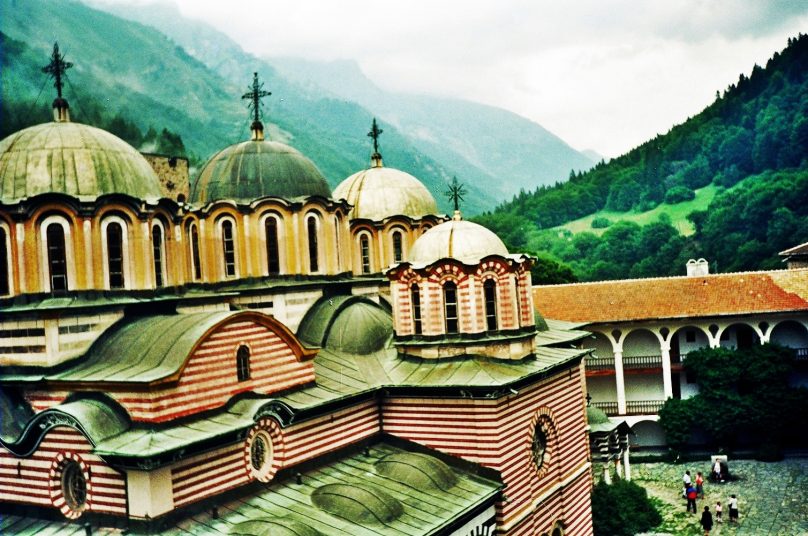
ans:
(772, 497)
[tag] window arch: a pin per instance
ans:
(57, 254)
(364, 253)
(243, 363)
(159, 254)
(116, 277)
(227, 230)
(490, 295)
(450, 306)
(193, 243)
(312, 227)
(398, 246)
(5, 260)
(415, 296)
(272, 234)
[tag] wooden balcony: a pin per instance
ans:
(632, 364)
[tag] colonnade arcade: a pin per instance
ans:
(635, 368)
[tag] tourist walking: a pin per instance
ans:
(718, 511)
(707, 521)
(691, 495)
(700, 485)
(686, 478)
(733, 508)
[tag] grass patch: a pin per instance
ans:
(677, 213)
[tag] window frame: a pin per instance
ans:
(159, 266)
(70, 266)
(490, 304)
(223, 240)
(451, 323)
(243, 365)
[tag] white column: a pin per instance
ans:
(626, 462)
(667, 383)
(620, 383)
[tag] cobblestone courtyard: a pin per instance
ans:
(772, 497)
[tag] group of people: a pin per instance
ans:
(695, 489)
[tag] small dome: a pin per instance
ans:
(73, 159)
(358, 503)
(253, 169)
(458, 239)
(379, 192)
(418, 471)
(360, 328)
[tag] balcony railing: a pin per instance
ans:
(642, 361)
(801, 354)
(599, 363)
(633, 407)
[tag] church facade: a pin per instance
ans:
(251, 353)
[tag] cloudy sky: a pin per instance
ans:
(602, 74)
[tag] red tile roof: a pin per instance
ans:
(675, 297)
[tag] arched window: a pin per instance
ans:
(398, 252)
(243, 363)
(314, 254)
(74, 485)
(490, 292)
(229, 248)
(364, 247)
(450, 306)
(196, 265)
(57, 257)
(5, 263)
(159, 255)
(115, 253)
(273, 249)
(416, 308)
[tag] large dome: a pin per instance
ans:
(458, 239)
(74, 159)
(379, 192)
(259, 168)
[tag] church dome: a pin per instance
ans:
(258, 168)
(73, 159)
(379, 192)
(458, 239)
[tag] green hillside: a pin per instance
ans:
(746, 150)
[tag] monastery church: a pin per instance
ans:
(250, 352)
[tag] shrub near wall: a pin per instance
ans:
(622, 509)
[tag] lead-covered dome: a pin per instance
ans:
(258, 168)
(458, 239)
(73, 159)
(380, 192)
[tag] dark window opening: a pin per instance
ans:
(314, 261)
(197, 266)
(243, 363)
(273, 251)
(74, 485)
(157, 246)
(450, 306)
(490, 291)
(115, 255)
(416, 309)
(57, 259)
(690, 336)
(229, 247)
(397, 247)
(5, 263)
(364, 244)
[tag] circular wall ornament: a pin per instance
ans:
(70, 484)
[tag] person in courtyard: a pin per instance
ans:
(691, 498)
(707, 521)
(686, 478)
(733, 508)
(718, 511)
(717, 471)
(700, 485)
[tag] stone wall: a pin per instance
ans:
(173, 174)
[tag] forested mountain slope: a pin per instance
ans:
(751, 143)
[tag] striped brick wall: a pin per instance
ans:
(35, 480)
(498, 434)
(212, 473)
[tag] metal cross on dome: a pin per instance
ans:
(455, 192)
(56, 68)
(374, 133)
(254, 95)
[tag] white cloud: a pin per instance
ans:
(602, 74)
